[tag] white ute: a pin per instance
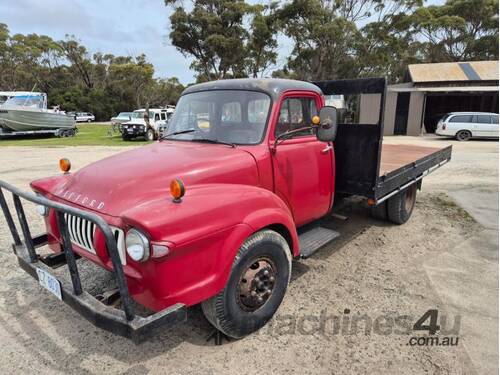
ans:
(137, 126)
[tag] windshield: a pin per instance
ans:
(137, 114)
(35, 101)
(233, 116)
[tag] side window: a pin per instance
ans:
(494, 119)
(483, 119)
(162, 115)
(157, 117)
(296, 113)
(461, 118)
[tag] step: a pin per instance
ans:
(314, 239)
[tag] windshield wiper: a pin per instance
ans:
(176, 133)
(208, 140)
(197, 139)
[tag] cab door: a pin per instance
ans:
(303, 167)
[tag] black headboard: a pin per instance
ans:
(357, 146)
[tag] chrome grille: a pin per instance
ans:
(81, 233)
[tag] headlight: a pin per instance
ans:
(137, 245)
(42, 210)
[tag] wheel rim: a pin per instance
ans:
(408, 200)
(256, 284)
(463, 135)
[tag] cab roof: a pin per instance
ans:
(274, 87)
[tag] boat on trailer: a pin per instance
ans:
(27, 112)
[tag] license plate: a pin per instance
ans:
(130, 130)
(49, 282)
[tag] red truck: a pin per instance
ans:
(216, 210)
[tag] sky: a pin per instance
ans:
(120, 27)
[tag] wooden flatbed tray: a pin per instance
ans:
(397, 156)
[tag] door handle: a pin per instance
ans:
(326, 149)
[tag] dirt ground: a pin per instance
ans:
(384, 277)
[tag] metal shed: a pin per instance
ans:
(432, 90)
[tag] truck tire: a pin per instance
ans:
(256, 286)
(125, 137)
(463, 135)
(150, 135)
(379, 212)
(400, 206)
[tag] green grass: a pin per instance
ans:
(451, 209)
(95, 134)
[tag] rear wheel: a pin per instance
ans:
(463, 135)
(400, 206)
(256, 286)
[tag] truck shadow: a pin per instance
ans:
(57, 335)
(358, 220)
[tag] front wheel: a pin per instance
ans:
(150, 135)
(256, 286)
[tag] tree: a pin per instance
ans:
(329, 42)
(132, 78)
(324, 41)
(262, 44)
(387, 47)
(459, 30)
(79, 59)
(78, 81)
(227, 38)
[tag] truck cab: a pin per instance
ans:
(215, 211)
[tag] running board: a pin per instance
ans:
(314, 239)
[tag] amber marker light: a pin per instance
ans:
(65, 165)
(371, 202)
(177, 190)
(315, 120)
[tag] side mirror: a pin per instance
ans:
(327, 127)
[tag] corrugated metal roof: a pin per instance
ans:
(454, 71)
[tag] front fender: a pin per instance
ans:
(210, 208)
(204, 232)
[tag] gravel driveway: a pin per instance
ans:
(380, 276)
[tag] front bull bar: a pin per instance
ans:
(122, 322)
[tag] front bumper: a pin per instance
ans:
(121, 322)
(133, 130)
